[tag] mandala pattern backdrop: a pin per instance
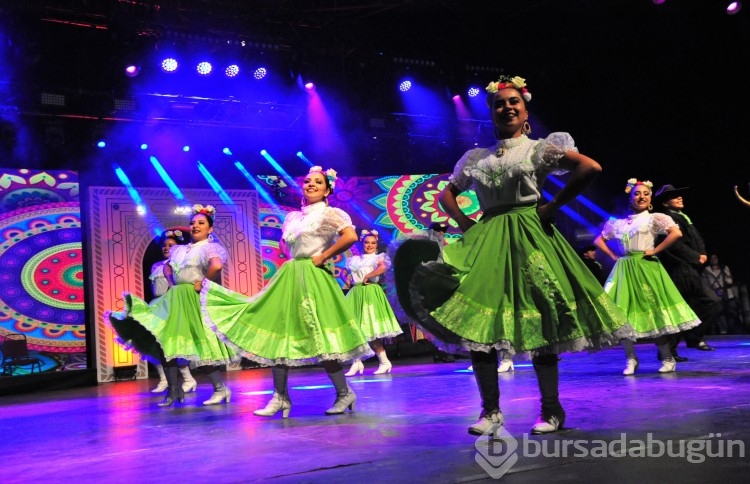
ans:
(41, 263)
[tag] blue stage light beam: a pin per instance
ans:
(156, 229)
(585, 201)
(167, 179)
(258, 187)
(280, 170)
(223, 195)
(304, 158)
(593, 229)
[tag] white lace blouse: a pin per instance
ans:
(516, 176)
(361, 265)
(190, 262)
(159, 284)
(313, 229)
(637, 232)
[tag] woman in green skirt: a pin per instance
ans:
(300, 317)
(513, 281)
(638, 283)
(171, 328)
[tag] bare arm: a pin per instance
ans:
(583, 171)
(673, 234)
(448, 200)
(601, 244)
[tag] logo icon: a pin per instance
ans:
(498, 454)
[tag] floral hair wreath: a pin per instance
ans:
(330, 174)
(632, 182)
(366, 233)
(176, 234)
(208, 210)
(507, 81)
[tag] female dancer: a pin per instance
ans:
(368, 301)
(159, 286)
(300, 317)
(516, 283)
(638, 283)
(171, 326)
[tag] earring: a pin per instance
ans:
(526, 129)
(650, 207)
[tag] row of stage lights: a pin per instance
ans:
(170, 65)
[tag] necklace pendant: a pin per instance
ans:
(500, 152)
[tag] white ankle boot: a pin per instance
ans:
(630, 367)
(163, 384)
(548, 425)
(188, 382)
(668, 366)
(276, 404)
(343, 402)
(505, 366)
(357, 367)
(487, 424)
(219, 396)
(385, 365)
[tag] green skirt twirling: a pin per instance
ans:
(299, 318)
(169, 327)
(373, 312)
(518, 284)
(653, 304)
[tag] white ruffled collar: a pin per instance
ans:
(315, 207)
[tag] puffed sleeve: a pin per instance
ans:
(608, 232)
(460, 176)
(661, 223)
(551, 149)
(337, 219)
(383, 257)
(212, 251)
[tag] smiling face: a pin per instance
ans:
(675, 204)
(200, 227)
(370, 244)
(315, 187)
(169, 242)
(640, 198)
(509, 111)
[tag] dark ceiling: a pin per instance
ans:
(650, 91)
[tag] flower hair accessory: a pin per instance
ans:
(366, 233)
(513, 82)
(209, 210)
(176, 234)
(330, 174)
(632, 182)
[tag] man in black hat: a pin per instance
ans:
(588, 255)
(684, 260)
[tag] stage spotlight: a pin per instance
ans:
(473, 91)
(186, 148)
(169, 64)
(309, 86)
(658, 2)
(227, 151)
(232, 71)
(132, 70)
(144, 146)
(101, 144)
(204, 68)
(260, 73)
(734, 7)
(456, 98)
(404, 86)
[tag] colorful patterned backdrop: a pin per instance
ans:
(41, 265)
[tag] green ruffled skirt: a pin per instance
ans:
(373, 312)
(653, 304)
(516, 284)
(299, 318)
(170, 326)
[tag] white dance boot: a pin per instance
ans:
(188, 382)
(385, 365)
(357, 367)
(505, 366)
(163, 384)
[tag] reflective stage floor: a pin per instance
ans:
(409, 426)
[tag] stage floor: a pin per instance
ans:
(409, 426)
